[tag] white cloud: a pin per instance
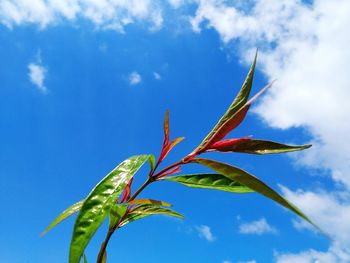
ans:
(304, 46)
(37, 73)
(114, 14)
(311, 63)
(37, 76)
(329, 210)
(134, 78)
(176, 3)
(249, 261)
(257, 227)
(157, 76)
(226, 261)
(334, 254)
(205, 232)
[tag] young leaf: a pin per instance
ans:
(234, 120)
(174, 170)
(148, 202)
(260, 147)
(65, 214)
(236, 105)
(85, 259)
(127, 191)
(252, 182)
(169, 146)
(152, 161)
(222, 145)
(166, 148)
(99, 202)
(116, 212)
(148, 210)
(166, 128)
(210, 181)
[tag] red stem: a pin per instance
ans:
(151, 178)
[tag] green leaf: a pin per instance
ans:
(148, 210)
(262, 147)
(210, 181)
(152, 161)
(85, 259)
(65, 214)
(236, 105)
(99, 202)
(116, 212)
(252, 182)
(148, 202)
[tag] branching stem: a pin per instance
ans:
(151, 178)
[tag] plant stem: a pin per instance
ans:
(168, 168)
(112, 230)
(145, 184)
(151, 178)
(104, 246)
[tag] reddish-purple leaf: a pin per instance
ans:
(233, 121)
(236, 105)
(171, 171)
(127, 191)
(166, 129)
(226, 145)
(253, 146)
(168, 147)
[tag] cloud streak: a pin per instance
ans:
(134, 78)
(102, 13)
(310, 61)
(304, 46)
(205, 232)
(258, 227)
(37, 73)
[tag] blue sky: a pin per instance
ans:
(85, 85)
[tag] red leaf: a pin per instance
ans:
(176, 169)
(226, 145)
(127, 190)
(234, 121)
(168, 147)
(166, 129)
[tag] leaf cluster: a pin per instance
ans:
(112, 197)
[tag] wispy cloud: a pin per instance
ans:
(311, 63)
(37, 73)
(312, 88)
(205, 232)
(334, 254)
(257, 227)
(249, 261)
(326, 209)
(103, 14)
(176, 3)
(134, 78)
(157, 76)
